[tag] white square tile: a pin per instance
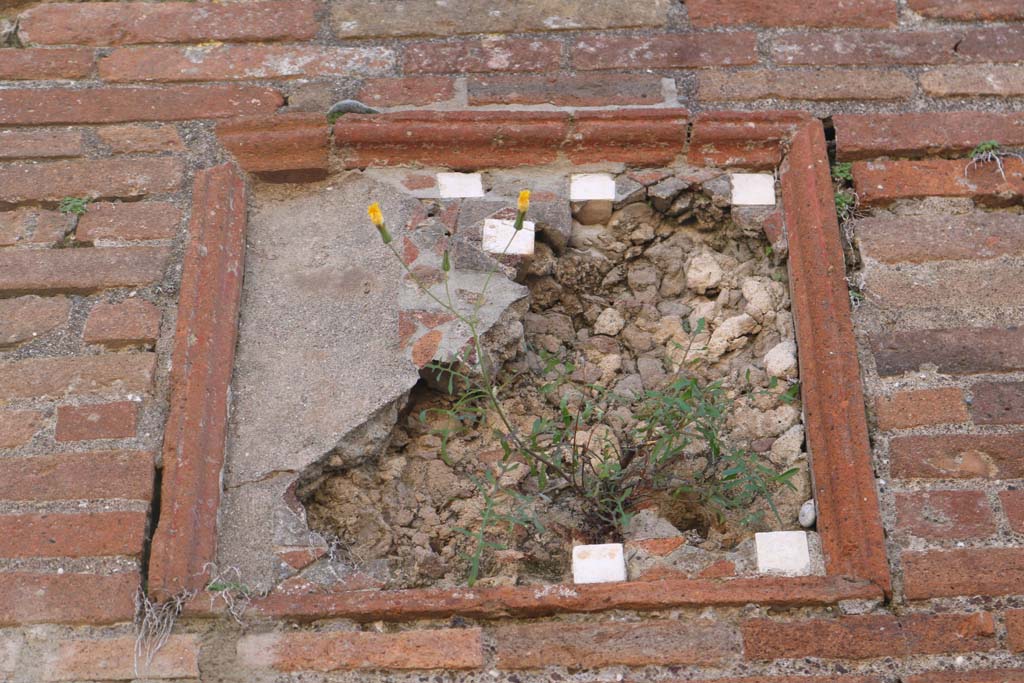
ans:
(587, 186)
(500, 237)
(454, 185)
(753, 189)
(598, 563)
(783, 552)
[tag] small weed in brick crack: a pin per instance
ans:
(990, 152)
(637, 395)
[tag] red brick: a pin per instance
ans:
(965, 80)
(54, 180)
(960, 351)
(573, 91)
(969, 10)
(20, 107)
(990, 284)
(490, 54)
(132, 322)
(22, 225)
(289, 147)
(45, 64)
(747, 140)
(78, 476)
(79, 270)
(108, 659)
(17, 427)
(919, 239)
(55, 377)
(869, 636)
(168, 22)
(26, 318)
(129, 222)
(636, 136)
(975, 676)
(67, 598)
(1015, 631)
(136, 138)
(967, 572)
(992, 45)
(201, 363)
(819, 85)
(958, 456)
(231, 62)
(945, 515)
(30, 144)
(865, 49)
(418, 91)
(349, 650)
(580, 646)
(98, 421)
(425, 347)
(95, 534)
(665, 51)
(51, 227)
(998, 403)
(842, 13)
(917, 408)
(1013, 506)
(864, 136)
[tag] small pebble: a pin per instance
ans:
(808, 514)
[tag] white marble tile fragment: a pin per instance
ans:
(500, 237)
(783, 552)
(586, 186)
(455, 185)
(753, 189)
(602, 563)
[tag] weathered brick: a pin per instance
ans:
(232, 62)
(99, 421)
(987, 284)
(578, 91)
(20, 107)
(579, 646)
(132, 322)
(969, 10)
(80, 270)
(489, 54)
(168, 22)
(110, 659)
(864, 136)
(26, 318)
(128, 221)
(963, 571)
(52, 180)
(1015, 631)
(348, 650)
(959, 351)
(945, 515)
(10, 647)
(67, 598)
(998, 403)
(822, 84)
(288, 147)
(416, 91)
(958, 456)
(869, 48)
(918, 239)
(380, 18)
(992, 45)
(665, 51)
(974, 676)
(17, 427)
(91, 534)
(916, 408)
(965, 80)
(30, 144)
(135, 138)
(45, 64)
(842, 13)
(1013, 506)
(55, 377)
(51, 227)
(869, 636)
(78, 476)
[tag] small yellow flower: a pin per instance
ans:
(524, 201)
(375, 214)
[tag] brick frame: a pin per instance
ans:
(297, 148)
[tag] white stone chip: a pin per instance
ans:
(500, 237)
(598, 563)
(454, 185)
(808, 514)
(783, 552)
(753, 189)
(586, 186)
